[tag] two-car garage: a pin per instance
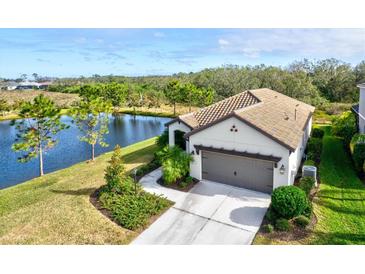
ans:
(237, 170)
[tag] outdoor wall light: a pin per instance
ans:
(282, 169)
(192, 152)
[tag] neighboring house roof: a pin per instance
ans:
(361, 85)
(275, 115)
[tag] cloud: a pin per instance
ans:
(223, 42)
(312, 43)
(159, 34)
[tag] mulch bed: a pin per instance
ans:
(177, 185)
(296, 234)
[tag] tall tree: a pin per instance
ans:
(91, 117)
(173, 93)
(37, 130)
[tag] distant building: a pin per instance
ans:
(24, 85)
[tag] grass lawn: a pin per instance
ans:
(340, 203)
(55, 209)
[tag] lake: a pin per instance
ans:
(124, 130)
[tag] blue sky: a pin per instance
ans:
(132, 52)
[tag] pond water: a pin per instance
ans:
(124, 130)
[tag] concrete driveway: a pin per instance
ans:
(211, 213)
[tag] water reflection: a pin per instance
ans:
(123, 130)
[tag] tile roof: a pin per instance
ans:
(276, 115)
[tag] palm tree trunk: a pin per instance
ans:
(41, 173)
(174, 109)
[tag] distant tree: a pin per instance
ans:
(360, 73)
(174, 93)
(37, 129)
(35, 76)
(4, 106)
(203, 96)
(24, 76)
(91, 117)
(116, 93)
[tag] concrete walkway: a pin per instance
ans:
(211, 213)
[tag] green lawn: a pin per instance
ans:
(340, 203)
(55, 209)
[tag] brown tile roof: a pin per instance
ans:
(278, 116)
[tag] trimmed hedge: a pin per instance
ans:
(306, 184)
(289, 201)
(309, 163)
(317, 133)
(282, 224)
(314, 149)
(344, 126)
(268, 228)
(302, 221)
(357, 149)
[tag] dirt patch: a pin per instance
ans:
(178, 184)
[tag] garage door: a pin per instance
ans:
(238, 171)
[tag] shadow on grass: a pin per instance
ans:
(336, 238)
(79, 192)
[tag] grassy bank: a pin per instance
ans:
(55, 209)
(162, 111)
(340, 203)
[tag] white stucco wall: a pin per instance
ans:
(296, 157)
(177, 126)
(246, 139)
(362, 109)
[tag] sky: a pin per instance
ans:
(137, 52)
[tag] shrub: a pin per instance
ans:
(308, 210)
(163, 139)
(357, 149)
(314, 149)
(175, 164)
(306, 184)
(144, 169)
(302, 221)
(189, 180)
(133, 211)
(344, 126)
(268, 228)
(317, 133)
(282, 224)
(309, 163)
(289, 201)
(115, 172)
(272, 215)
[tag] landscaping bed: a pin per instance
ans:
(182, 184)
(133, 211)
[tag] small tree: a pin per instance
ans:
(91, 117)
(115, 172)
(37, 130)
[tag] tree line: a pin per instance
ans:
(41, 121)
(314, 82)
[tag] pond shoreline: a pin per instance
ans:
(124, 130)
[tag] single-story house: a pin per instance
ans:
(255, 139)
